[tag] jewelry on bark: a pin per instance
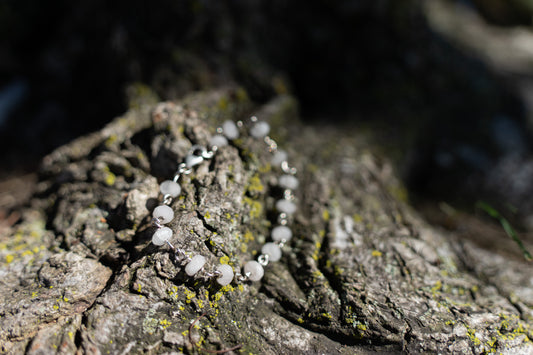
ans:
(252, 270)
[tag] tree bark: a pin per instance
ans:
(363, 273)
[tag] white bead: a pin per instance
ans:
(255, 269)
(226, 274)
(272, 250)
(286, 206)
(288, 182)
(279, 157)
(260, 129)
(164, 213)
(196, 264)
(169, 187)
(230, 130)
(280, 233)
(193, 160)
(161, 235)
(218, 140)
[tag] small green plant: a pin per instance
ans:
(506, 227)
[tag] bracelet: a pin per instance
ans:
(252, 270)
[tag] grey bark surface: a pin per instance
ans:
(363, 273)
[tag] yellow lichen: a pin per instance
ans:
(189, 295)
(325, 215)
(316, 252)
(248, 236)
(110, 178)
(265, 168)
(9, 258)
(223, 103)
(255, 185)
(472, 335)
(164, 324)
(317, 275)
(256, 208)
(26, 253)
(376, 253)
(437, 286)
(109, 142)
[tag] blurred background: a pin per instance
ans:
(444, 87)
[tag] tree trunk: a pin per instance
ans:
(363, 272)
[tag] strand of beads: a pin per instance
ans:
(270, 252)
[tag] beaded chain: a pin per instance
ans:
(252, 270)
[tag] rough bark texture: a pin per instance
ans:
(363, 273)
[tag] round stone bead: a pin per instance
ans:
(196, 264)
(226, 274)
(260, 129)
(255, 269)
(280, 233)
(230, 129)
(218, 140)
(161, 236)
(279, 157)
(164, 213)
(286, 206)
(272, 250)
(288, 182)
(169, 187)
